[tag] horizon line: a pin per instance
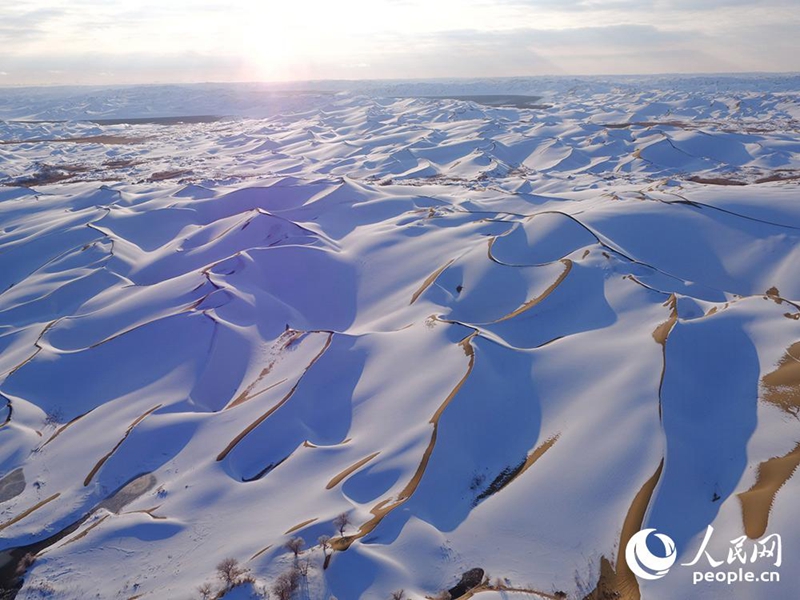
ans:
(725, 74)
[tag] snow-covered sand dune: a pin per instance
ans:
(495, 337)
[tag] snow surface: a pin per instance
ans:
(375, 304)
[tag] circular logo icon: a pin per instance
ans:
(645, 564)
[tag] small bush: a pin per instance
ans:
(341, 522)
(295, 545)
(286, 584)
(325, 543)
(206, 591)
(231, 572)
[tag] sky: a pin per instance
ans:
(120, 41)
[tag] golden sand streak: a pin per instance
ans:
(286, 339)
(534, 456)
(25, 513)
(86, 531)
(280, 403)
(260, 552)
(63, 427)
(352, 468)
(301, 525)
(533, 302)
(757, 501)
(661, 333)
(384, 507)
(782, 386)
(620, 583)
(244, 397)
(430, 279)
(102, 461)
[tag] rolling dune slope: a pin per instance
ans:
(495, 337)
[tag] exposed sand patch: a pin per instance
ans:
(86, 531)
(121, 163)
(757, 501)
(27, 512)
(244, 396)
(49, 174)
(716, 180)
(11, 558)
(534, 301)
(429, 280)
(384, 507)
(620, 583)
(283, 342)
(280, 403)
(63, 427)
(260, 552)
(171, 174)
(268, 469)
(150, 512)
(781, 387)
(508, 476)
(300, 525)
(131, 427)
(778, 177)
(661, 333)
(352, 468)
(189, 120)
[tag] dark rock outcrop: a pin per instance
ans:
(469, 580)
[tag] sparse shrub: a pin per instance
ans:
(206, 591)
(341, 522)
(324, 543)
(477, 482)
(505, 477)
(286, 584)
(327, 550)
(302, 568)
(231, 572)
(52, 417)
(295, 545)
(560, 595)
(398, 595)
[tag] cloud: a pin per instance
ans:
(122, 68)
(111, 40)
(648, 6)
(22, 26)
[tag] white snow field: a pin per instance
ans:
(495, 337)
